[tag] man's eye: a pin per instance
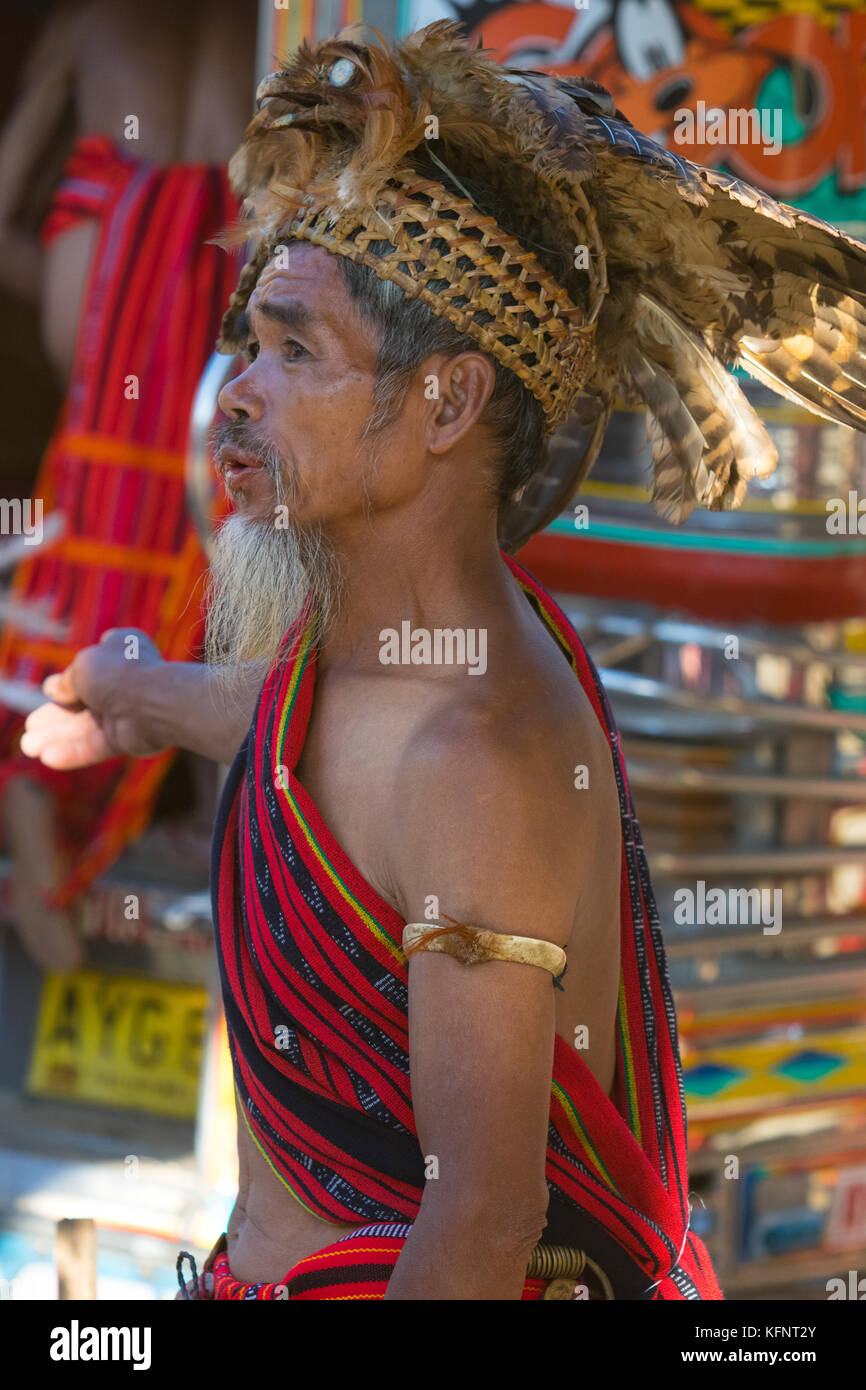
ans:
(291, 343)
(294, 349)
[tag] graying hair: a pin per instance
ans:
(410, 332)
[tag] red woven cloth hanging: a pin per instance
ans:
(128, 555)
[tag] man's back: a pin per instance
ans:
(151, 88)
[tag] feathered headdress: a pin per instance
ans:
(624, 270)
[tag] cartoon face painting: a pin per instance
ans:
(664, 61)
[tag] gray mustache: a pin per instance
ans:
(240, 436)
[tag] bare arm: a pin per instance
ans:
(503, 843)
(122, 697)
(46, 88)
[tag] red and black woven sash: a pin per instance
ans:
(316, 995)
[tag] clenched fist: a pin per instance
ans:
(97, 706)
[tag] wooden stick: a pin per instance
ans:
(75, 1257)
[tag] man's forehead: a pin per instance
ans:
(294, 273)
(301, 288)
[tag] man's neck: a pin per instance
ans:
(434, 581)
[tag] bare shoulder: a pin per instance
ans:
(500, 800)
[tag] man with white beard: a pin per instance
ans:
(429, 787)
(415, 328)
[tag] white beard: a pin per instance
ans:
(260, 576)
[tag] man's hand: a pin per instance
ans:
(122, 697)
(97, 705)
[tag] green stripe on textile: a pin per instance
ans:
(588, 1146)
(634, 1123)
(394, 946)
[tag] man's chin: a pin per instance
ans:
(261, 576)
(247, 499)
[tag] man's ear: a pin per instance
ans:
(459, 389)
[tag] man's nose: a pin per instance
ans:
(239, 399)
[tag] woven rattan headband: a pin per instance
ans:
(465, 268)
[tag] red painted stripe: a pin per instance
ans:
(721, 586)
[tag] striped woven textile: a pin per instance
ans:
(128, 555)
(96, 171)
(354, 1268)
(315, 990)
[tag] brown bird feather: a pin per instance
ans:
(693, 271)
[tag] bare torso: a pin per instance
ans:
(358, 730)
(187, 73)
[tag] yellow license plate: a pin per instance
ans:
(119, 1040)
